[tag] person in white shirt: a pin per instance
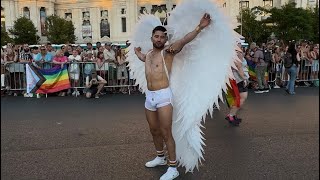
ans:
(74, 70)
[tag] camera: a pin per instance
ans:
(94, 81)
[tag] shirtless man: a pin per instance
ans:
(158, 104)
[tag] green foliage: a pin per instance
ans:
(5, 37)
(60, 30)
(291, 23)
(24, 31)
(287, 23)
(252, 30)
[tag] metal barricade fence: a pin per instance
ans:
(13, 76)
(306, 72)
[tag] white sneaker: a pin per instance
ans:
(276, 86)
(77, 93)
(73, 93)
(171, 173)
(158, 161)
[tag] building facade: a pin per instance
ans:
(111, 20)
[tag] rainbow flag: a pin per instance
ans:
(252, 73)
(233, 94)
(251, 67)
(34, 78)
(57, 79)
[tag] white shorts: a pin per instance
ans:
(74, 76)
(315, 65)
(158, 99)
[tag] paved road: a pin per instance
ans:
(108, 139)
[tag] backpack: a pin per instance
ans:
(267, 56)
(288, 60)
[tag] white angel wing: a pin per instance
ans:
(141, 38)
(199, 74)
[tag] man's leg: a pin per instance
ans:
(154, 126)
(165, 118)
(265, 83)
(259, 76)
(100, 87)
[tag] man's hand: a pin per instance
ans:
(141, 56)
(205, 21)
(137, 50)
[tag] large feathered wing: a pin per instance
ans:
(141, 38)
(199, 74)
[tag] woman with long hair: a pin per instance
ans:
(291, 60)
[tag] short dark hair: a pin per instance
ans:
(159, 28)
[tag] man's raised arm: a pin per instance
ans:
(140, 55)
(178, 45)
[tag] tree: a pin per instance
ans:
(60, 30)
(252, 30)
(315, 16)
(24, 31)
(5, 36)
(291, 23)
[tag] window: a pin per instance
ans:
(104, 14)
(3, 20)
(68, 16)
(123, 11)
(124, 24)
(224, 5)
(43, 18)
(143, 10)
(267, 3)
(26, 12)
(243, 4)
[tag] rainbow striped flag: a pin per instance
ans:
(34, 78)
(251, 67)
(233, 94)
(252, 72)
(57, 79)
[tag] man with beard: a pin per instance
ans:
(25, 54)
(158, 104)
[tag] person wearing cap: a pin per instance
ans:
(94, 85)
(260, 69)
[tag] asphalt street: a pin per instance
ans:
(108, 138)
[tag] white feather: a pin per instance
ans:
(199, 75)
(141, 38)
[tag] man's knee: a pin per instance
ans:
(166, 134)
(155, 132)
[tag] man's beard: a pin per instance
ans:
(155, 45)
(26, 50)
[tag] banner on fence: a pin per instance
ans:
(57, 79)
(34, 78)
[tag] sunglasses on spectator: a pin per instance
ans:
(43, 49)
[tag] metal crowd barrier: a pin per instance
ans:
(13, 77)
(306, 72)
